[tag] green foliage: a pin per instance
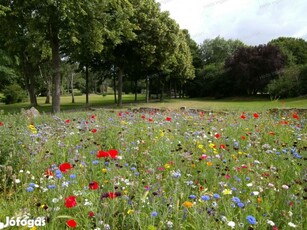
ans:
(13, 94)
(303, 80)
(286, 85)
(294, 48)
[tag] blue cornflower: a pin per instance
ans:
(192, 196)
(72, 176)
(51, 186)
(236, 199)
(247, 178)
(251, 219)
(153, 214)
(205, 197)
(95, 162)
(59, 175)
(30, 189)
(216, 196)
(133, 168)
(31, 185)
(240, 204)
(107, 163)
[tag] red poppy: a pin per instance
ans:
(112, 195)
(242, 116)
(150, 119)
(227, 176)
(91, 214)
(256, 115)
(65, 167)
(102, 153)
(67, 121)
(217, 135)
(243, 137)
(284, 122)
(1, 123)
(70, 202)
(222, 146)
(94, 130)
(275, 228)
(113, 153)
(143, 116)
(168, 119)
(93, 116)
(295, 116)
(93, 185)
(120, 114)
(71, 223)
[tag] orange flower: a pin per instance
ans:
(187, 204)
(209, 163)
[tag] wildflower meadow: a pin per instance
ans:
(153, 170)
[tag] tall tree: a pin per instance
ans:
(294, 48)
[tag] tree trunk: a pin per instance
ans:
(114, 86)
(147, 90)
(47, 100)
(135, 90)
(33, 98)
(30, 83)
(161, 82)
(56, 75)
(72, 88)
(120, 85)
(86, 85)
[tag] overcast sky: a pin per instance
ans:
(252, 21)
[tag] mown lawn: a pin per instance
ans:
(229, 104)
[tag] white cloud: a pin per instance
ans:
(252, 21)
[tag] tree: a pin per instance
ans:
(218, 50)
(294, 48)
(252, 68)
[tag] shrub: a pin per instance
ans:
(13, 94)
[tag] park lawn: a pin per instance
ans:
(229, 104)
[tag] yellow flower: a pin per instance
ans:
(211, 145)
(193, 165)
(162, 134)
(167, 166)
(187, 204)
(259, 199)
(104, 170)
(209, 163)
(33, 228)
(204, 150)
(227, 192)
(130, 211)
(105, 181)
(200, 146)
(240, 153)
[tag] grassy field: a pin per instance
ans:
(155, 170)
(230, 104)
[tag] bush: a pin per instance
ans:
(13, 94)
